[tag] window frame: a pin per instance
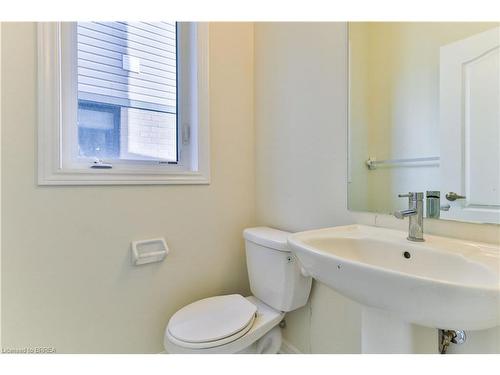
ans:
(58, 106)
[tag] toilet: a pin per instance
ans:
(235, 324)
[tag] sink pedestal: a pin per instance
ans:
(386, 333)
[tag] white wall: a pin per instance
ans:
(300, 120)
(301, 148)
(300, 115)
(67, 281)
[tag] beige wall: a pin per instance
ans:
(66, 274)
(395, 105)
(358, 118)
(0, 185)
(66, 277)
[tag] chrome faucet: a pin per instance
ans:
(415, 212)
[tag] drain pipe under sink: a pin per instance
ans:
(450, 336)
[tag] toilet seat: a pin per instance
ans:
(266, 318)
(211, 322)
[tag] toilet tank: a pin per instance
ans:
(273, 271)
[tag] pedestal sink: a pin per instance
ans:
(440, 283)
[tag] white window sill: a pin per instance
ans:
(106, 178)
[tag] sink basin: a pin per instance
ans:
(440, 283)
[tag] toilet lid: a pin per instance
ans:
(212, 319)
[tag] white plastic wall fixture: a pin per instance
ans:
(149, 251)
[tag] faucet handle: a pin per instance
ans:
(412, 195)
(408, 195)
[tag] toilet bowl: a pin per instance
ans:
(222, 338)
(235, 324)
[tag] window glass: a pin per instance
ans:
(127, 90)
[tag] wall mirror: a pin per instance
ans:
(424, 115)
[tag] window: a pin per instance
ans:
(123, 103)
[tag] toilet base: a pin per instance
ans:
(270, 343)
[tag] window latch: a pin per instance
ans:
(100, 164)
(186, 134)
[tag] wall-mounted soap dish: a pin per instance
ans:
(149, 251)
